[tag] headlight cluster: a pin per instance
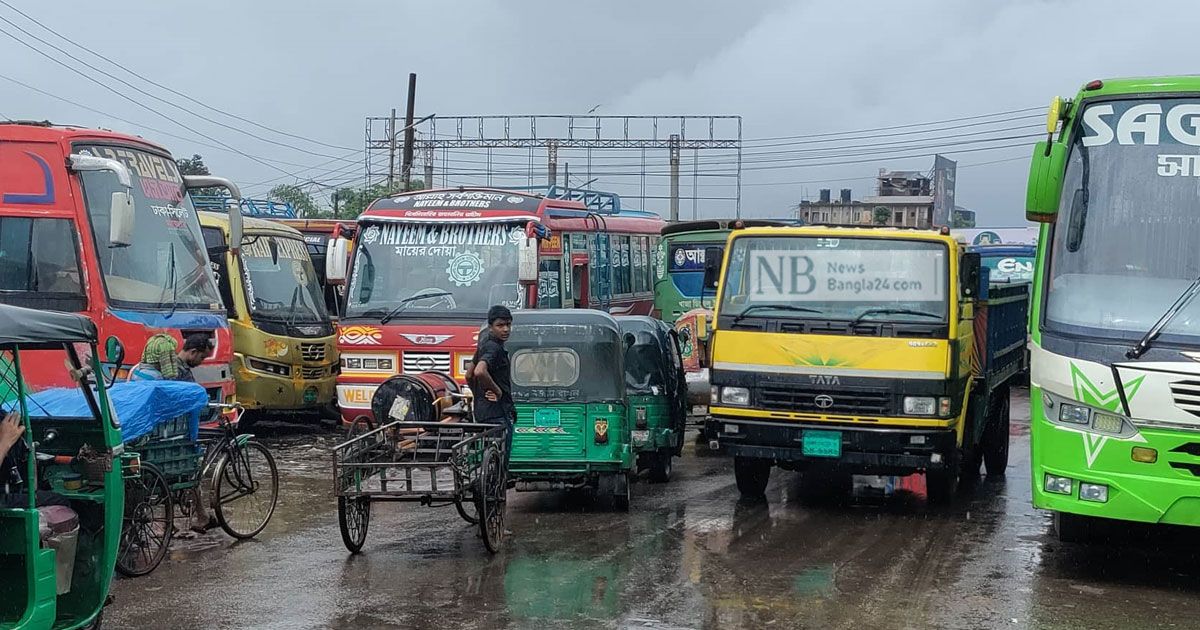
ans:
(277, 369)
(737, 396)
(1071, 413)
(385, 364)
(927, 406)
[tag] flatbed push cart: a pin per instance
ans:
(432, 463)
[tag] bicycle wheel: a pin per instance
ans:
(245, 489)
(147, 526)
(354, 514)
(491, 501)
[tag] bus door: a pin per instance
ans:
(579, 280)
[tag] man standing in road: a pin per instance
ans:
(491, 381)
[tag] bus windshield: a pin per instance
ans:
(166, 264)
(1123, 246)
(280, 281)
(685, 266)
(464, 268)
(836, 278)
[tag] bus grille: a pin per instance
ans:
(312, 373)
(312, 351)
(417, 362)
(805, 400)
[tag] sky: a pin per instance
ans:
(813, 82)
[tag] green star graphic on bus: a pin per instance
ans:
(1089, 393)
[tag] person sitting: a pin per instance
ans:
(11, 431)
(160, 354)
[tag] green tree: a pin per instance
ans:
(300, 200)
(881, 215)
(350, 202)
(193, 166)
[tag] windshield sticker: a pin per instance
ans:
(465, 269)
(371, 234)
(688, 258)
(547, 285)
(1142, 124)
(158, 177)
(1179, 165)
(846, 275)
(260, 247)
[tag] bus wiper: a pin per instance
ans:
(892, 311)
(291, 318)
(1180, 303)
(174, 281)
(783, 307)
(409, 300)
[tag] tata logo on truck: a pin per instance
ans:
(823, 379)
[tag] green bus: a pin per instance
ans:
(679, 268)
(1115, 324)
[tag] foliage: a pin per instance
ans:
(350, 202)
(881, 215)
(300, 200)
(193, 166)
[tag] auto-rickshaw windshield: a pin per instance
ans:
(563, 362)
(644, 361)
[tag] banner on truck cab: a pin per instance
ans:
(783, 275)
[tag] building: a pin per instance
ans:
(903, 199)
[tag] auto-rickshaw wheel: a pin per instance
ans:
(621, 492)
(491, 501)
(660, 465)
(148, 524)
(354, 515)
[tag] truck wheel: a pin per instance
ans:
(995, 440)
(752, 474)
(942, 484)
(660, 465)
(1072, 528)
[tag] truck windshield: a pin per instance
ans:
(1123, 245)
(166, 262)
(836, 278)
(475, 263)
(280, 281)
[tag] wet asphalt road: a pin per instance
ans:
(688, 554)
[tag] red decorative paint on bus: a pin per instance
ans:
(428, 264)
(55, 244)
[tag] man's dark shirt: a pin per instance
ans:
(183, 371)
(493, 353)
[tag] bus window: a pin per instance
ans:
(549, 295)
(39, 264)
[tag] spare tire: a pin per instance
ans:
(420, 390)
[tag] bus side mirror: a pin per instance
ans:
(121, 220)
(968, 275)
(233, 207)
(114, 351)
(712, 267)
(1045, 181)
(527, 263)
(336, 260)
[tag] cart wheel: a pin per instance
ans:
(361, 425)
(468, 509)
(148, 522)
(245, 489)
(354, 514)
(491, 501)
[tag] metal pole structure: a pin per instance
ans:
(406, 165)
(551, 163)
(391, 132)
(428, 154)
(673, 147)
(695, 180)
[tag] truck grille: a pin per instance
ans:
(805, 400)
(417, 362)
(312, 351)
(1187, 396)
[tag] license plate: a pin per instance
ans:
(822, 443)
(641, 436)
(547, 418)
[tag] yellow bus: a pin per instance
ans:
(284, 356)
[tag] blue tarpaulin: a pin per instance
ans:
(140, 405)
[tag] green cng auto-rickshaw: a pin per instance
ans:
(63, 495)
(568, 378)
(657, 393)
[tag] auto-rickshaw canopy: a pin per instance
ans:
(648, 362)
(29, 327)
(566, 355)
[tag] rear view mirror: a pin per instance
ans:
(968, 274)
(233, 207)
(121, 220)
(273, 246)
(712, 267)
(527, 263)
(1045, 181)
(336, 258)
(114, 351)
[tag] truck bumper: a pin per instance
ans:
(866, 450)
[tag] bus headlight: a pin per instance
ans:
(268, 367)
(1074, 414)
(735, 396)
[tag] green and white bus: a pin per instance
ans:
(1115, 323)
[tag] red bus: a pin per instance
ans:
(427, 266)
(101, 224)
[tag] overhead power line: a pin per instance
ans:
(907, 126)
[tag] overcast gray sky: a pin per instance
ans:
(316, 69)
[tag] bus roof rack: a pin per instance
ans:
(263, 208)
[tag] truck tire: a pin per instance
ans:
(752, 474)
(995, 437)
(1072, 528)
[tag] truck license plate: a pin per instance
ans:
(640, 437)
(822, 443)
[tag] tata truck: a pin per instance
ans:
(1115, 327)
(838, 351)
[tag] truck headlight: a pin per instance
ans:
(735, 396)
(920, 405)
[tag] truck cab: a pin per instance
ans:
(840, 351)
